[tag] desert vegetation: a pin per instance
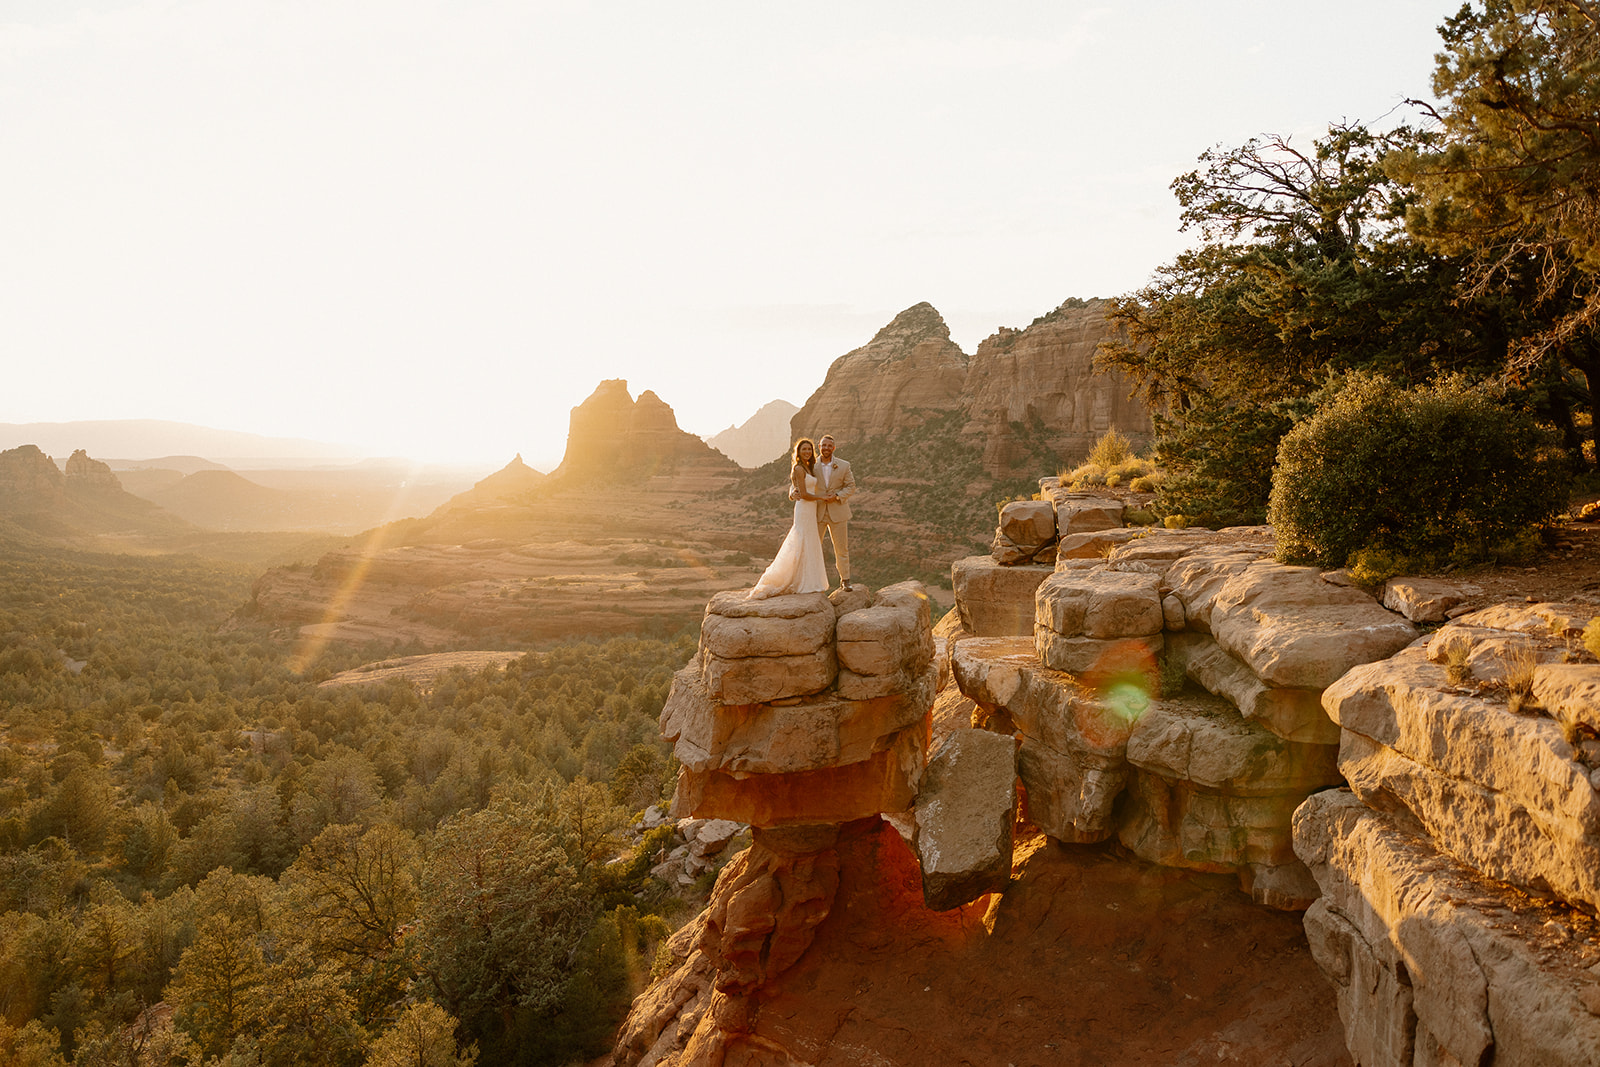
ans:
(1449, 261)
(206, 857)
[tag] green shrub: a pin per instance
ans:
(1149, 483)
(1437, 471)
(1087, 474)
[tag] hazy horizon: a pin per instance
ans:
(429, 230)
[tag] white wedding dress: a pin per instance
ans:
(798, 566)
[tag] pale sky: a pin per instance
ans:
(430, 228)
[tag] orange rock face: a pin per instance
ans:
(1045, 375)
(885, 781)
(1088, 958)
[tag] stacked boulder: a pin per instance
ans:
(1116, 743)
(799, 715)
(994, 592)
(1460, 872)
(1026, 533)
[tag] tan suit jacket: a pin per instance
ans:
(838, 481)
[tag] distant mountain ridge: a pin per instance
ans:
(140, 439)
(760, 439)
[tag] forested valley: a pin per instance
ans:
(206, 858)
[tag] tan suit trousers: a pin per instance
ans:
(839, 533)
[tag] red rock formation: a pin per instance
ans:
(1044, 376)
(27, 470)
(613, 436)
(910, 367)
(90, 473)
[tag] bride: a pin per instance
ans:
(798, 566)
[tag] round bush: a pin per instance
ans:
(1433, 471)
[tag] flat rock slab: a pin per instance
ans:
(995, 601)
(1093, 545)
(1425, 599)
(1553, 618)
(1294, 630)
(1431, 964)
(1503, 793)
(1096, 655)
(1199, 573)
(964, 813)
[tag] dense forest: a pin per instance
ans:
(208, 858)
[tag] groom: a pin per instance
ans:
(835, 484)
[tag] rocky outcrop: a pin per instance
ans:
(89, 473)
(1458, 875)
(613, 436)
(511, 482)
(26, 471)
(760, 439)
(1044, 376)
(995, 600)
(1433, 964)
(909, 369)
(802, 716)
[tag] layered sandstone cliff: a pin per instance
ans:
(1043, 378)
(908, 370)
(612, 435)
(1024, 392)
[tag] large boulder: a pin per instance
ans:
(995, 601)
(1503, 793)
(1431, 964)
(1100, 603)
(1293, 629)
(1028, 523)
(964, 813)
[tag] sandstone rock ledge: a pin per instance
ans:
(1432, 964)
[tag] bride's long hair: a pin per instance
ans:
(808, 464)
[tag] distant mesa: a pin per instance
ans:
(91, 473)
(611, 435)
(1023, 390)
(78, 504)
(26, 470)
(762, 438)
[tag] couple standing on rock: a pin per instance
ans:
(820, 486)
